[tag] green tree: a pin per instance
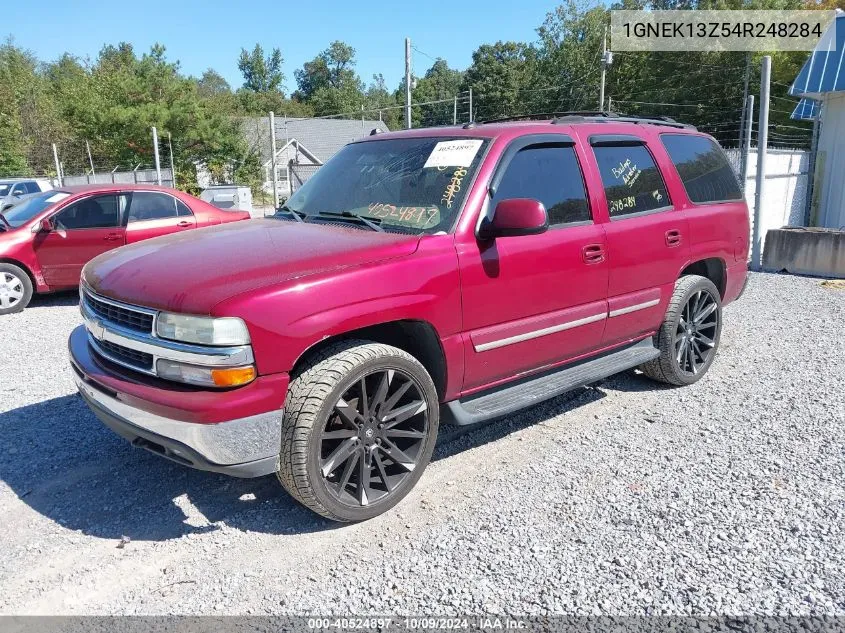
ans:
(330, 80)
(500, 76)
(261, 74)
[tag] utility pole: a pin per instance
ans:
(745, 99)
(273, 160)
(746, 139)
(762, 144)
(155, 151)
(470, 106)
(408, 83)
(90, 160)
(455, 112)
(606, 60)
(172, 167)
(58, 166)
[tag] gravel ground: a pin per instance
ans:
(725, 498)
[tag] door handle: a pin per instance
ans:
(184, 223)
(113, 237)
(593, 253)
(673, 237)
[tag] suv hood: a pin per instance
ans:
(191, 272)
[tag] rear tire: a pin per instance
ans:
(359, 427)
(689, 336)
(15, 289)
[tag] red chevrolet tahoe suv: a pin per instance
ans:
(464, 272)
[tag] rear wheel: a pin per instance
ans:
(15, 289)
(689, 336)
(359, 428)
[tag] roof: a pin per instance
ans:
(824, 70)
(77, 189)
(806, 110)
(320, 137)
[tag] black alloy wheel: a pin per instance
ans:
(373, 439)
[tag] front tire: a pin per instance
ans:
(359, 427)
(689, 336)
(15, 289)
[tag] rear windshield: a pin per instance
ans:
(31, 206)
(411, 185)
(703, 168)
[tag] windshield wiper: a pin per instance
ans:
(354, 216)
(299, 216)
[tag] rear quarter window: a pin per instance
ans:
(703, 167)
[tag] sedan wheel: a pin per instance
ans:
(15, 289)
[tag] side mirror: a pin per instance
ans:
(515, 216)
(45, 226)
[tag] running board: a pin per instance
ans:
(534, 389)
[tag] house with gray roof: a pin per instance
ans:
(302, 145)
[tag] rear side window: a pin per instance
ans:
(632, 182)
(550, 174)
(32, 187)
(148, 205)
(182, 209)
(703, 168)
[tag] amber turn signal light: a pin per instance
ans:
(233, 377)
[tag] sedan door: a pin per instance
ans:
(154, 213)
(535, 300)
(81, 231)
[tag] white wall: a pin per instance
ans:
(829, 194)
(785, 191)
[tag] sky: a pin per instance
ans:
(210, 34)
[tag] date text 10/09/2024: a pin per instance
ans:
(491, 623)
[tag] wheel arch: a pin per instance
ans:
(23, 267)
(713, 268)
(419, 338)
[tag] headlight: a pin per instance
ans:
(202, 330)
(205, 376)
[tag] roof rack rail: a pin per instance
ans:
(593, 116)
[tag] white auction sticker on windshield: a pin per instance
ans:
(453, 153)
(58, 196)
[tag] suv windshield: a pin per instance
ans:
(31, 206)
(413, 185)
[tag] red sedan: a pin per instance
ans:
(47, 238)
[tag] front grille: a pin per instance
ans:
(131, 357)
(123, 316)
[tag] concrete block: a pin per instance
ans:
(805, 251)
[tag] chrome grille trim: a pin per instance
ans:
(121, 314)
(143, 343)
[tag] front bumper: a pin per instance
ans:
(242, 447)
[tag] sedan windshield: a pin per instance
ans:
(413, 185)
(29, 207)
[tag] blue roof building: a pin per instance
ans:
(821, 86)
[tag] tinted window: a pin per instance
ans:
(703, 168)
(91, 213)
(19, 189)
(631, 180)
(182, 209)
(551, 175)
(148, 205)
(32, 187)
